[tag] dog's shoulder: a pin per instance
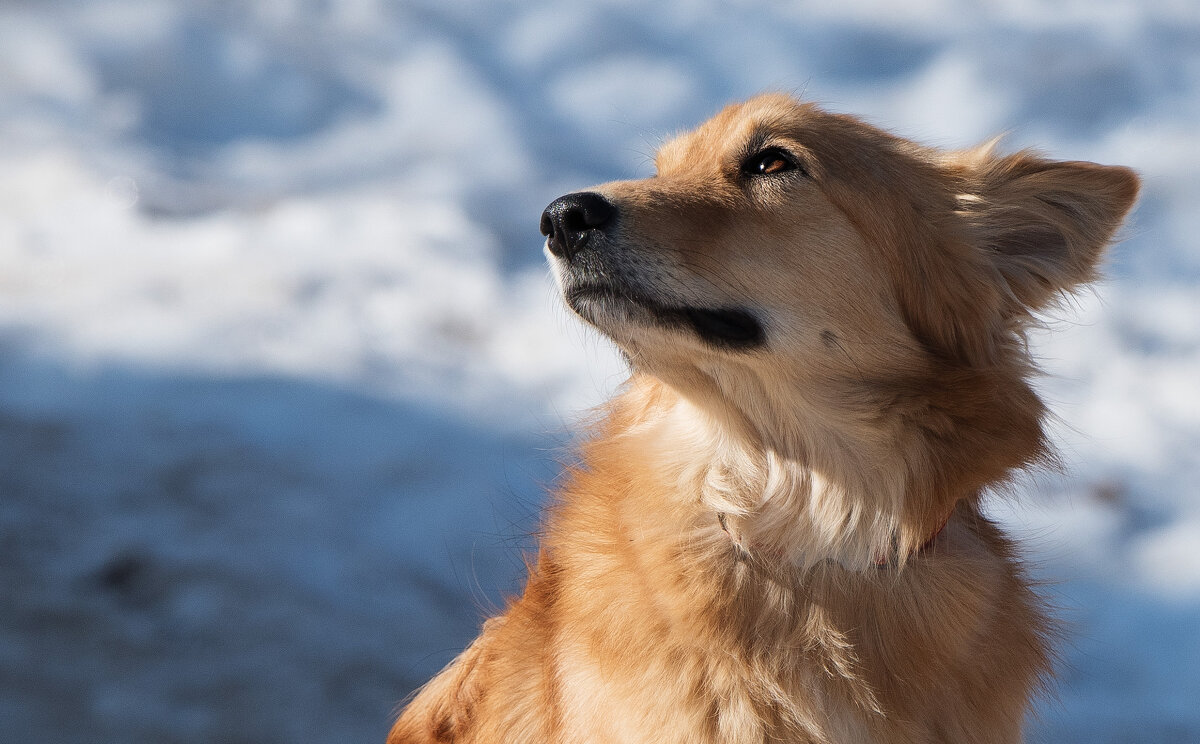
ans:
(495, 687)
(443, 709)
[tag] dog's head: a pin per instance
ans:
(815, 279)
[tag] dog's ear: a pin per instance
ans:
(1044, 224)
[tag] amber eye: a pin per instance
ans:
(768, 162)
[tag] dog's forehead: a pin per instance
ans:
(730, 130)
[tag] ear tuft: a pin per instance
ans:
(1044, 224)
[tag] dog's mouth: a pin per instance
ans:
(731, 328)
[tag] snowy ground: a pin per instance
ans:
(282, 378)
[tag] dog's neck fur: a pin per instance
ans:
(819, 497)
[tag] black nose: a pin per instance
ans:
(571, 220)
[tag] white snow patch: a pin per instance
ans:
(1168, 560)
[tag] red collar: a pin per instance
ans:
(885, 561)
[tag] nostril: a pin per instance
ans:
(574, 220)
(547, 226)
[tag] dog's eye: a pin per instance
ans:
(769, 162)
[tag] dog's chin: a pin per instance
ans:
(617, 312)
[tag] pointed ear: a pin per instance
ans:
(1044, 224)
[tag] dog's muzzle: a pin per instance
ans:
(579, 230)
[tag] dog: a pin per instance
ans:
(774, 531)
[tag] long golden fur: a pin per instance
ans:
(826, 326)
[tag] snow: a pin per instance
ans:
(283, 379)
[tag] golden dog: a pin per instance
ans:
(774, 535)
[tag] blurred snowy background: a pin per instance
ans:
(282, 378)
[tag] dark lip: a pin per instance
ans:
(730, 328)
